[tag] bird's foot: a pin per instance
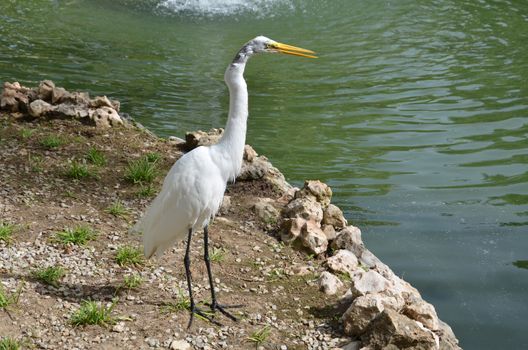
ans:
(222, 308)
(204, 315)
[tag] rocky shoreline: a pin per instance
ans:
(303, 270)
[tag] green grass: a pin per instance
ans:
(217, 255)
(27, 133)
(50, 275)
(132, 281)
(8, 343)
(6, 232)
(96, 157)
(52, 142)
(93, 313)
(127, 255)
(141, 171)
(183, 303)
(258, 337)
(146, 191)
(79, 171)
(153, 157)
(35, 163)
(117, 209)
(7, 299)
(78, 236)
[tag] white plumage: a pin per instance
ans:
(194, 187)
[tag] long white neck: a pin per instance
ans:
(231, 145)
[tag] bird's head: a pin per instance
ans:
(262, 44)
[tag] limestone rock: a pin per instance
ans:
(73, 110)
(332, 215)
(59, 95)
(265, 210)
(448, 340)
(45, 90)
(101, 101)
(291, 229)
(317, 190)
(202, 138)
(359, 314)
(329, 232)
(39, 108)
(343, 261)
(256, 169)
(391, 330)
(304, 208)
(368, 282)
(225, 206)
(423, 312)
(278, 181)
(355, 345)
(180, 345)
(313, 238)
(349, 238)
(249, 153)
(328, 283)
(106, 117)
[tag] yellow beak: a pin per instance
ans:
(292, 50)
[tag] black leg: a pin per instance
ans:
(187, 263)
(214, 304)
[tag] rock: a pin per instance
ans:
(254, 170)
(349, 238)
(277, 180)
(45, 90)
(265, 211)
(448, 340)
(332, 215)
(423, 312)
(80, 98)
(317, 190)
(368, 282)
(355, 345)
(225, 206)
(202, 138)
(119, 327)
(313, 238)
(328, 283)
(180, 345)
(174, 140)
(359, 314)
(302, 270)
(343, 261)
(106, 117)
(329, 232)
(391, 330)
(101, 101)
(368, 259)
(59, 95)
(249, 153)
(291, 229)
(304, 208)
(72, 110)
(39, 108)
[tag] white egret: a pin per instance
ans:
(194, 187)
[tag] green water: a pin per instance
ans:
(415, 113)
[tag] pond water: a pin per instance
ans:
(415, 113)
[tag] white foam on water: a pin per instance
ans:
(226, 7)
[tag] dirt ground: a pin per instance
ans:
(38, 195)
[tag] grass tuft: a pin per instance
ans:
(52, 142)
(91, 312)
(127, 255)
(141, 171)
(153, 157)
(217, 255)
(117, 209)
(146, 191)
(6, 232)
(258, 337)
(78, 171)
(27, 133)
(8, 343)
(132, 281)
(7, 298)
(79, 235)
(50, 275)
(96, 157)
